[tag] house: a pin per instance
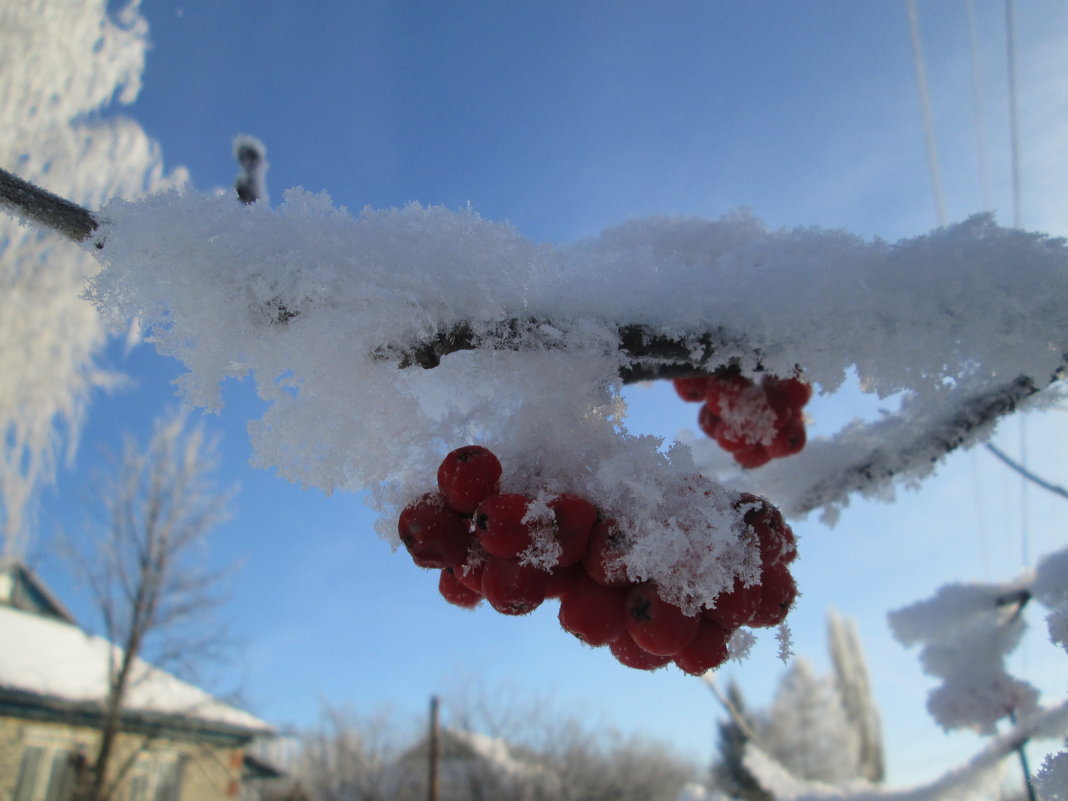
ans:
(178, 743)
(473, 765)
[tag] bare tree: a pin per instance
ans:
(493, 748)
(145, 571)
(350, 758)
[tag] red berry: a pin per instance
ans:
(607, 544)
(593, 612)
(725, 388)
(560, 580)
(435, 535)
(797, 392)
(733, 609)
(780, 406)
(692, 390)
(469, 571)
(705, 651)
(503, 526)
(775, 538)
(750, 456)
(789, 440)
(629, 653)
(658, 626)
(574, 518)
(512, 588)
(709, 422)
(467, 475)
(453, 591)
(777, 594)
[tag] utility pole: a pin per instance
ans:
(433, 748)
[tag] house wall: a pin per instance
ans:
(209, 772)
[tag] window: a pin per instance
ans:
(29, 768)
(63, 778)
(156, 777)
(169, 781)
(47, 774)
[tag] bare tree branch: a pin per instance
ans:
(44, 208)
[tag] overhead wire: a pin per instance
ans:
(925, 106)
(1014, 128)
(977, 104)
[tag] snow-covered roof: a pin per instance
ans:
(55, 663)
(21, 589)
(461, 745)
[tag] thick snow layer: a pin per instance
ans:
(320, 306)
(59, 662)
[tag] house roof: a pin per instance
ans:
(460, 744)
(46, 663)
(21, 589)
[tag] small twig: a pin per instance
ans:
(739, 719)
(44, 208)
(251, 182)
(1023, 471)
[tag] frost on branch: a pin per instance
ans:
(322, 307)
(963, 782)
(63, 69)
(1052, 779)
(1051, 588)
(966, 631)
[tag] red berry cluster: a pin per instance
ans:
(486, 543)
(754, 422)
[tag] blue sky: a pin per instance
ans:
(562, 118)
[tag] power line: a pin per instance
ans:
(925, 105)
(977, 104)
(1014, 134)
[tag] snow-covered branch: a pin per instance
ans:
(959, 782)
(905, 447)
(529, 344)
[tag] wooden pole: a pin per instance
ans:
(433, 749)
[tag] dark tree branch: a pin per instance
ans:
(23, 198)
(652, 355)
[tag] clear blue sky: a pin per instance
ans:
(562, 118)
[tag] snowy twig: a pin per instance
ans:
(739, 719)
(928, 444)
(1023, 471)
(24, 199)
(251, 182)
